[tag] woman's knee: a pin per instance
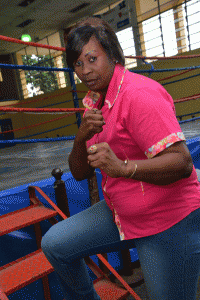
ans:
(56, 240)
(47, 241)
(44, 243)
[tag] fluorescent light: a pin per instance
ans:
(26, 38)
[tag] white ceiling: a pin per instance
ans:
(49, 16)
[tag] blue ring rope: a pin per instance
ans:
(152, 67)
(9, 66)
(18, 141)
(49, 105)
(165, 70)
(47, 131)
(59, 103)
(34, 68)
(189, 120)
(190, 114)
(181, 79)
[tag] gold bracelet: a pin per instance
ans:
(126, 162)
(133, 172)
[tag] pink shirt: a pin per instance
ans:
(141, 122)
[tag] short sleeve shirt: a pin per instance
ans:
(140, 123)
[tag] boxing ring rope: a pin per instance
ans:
(41, 110)
(194, 97)
(45, 98)
(12, 40)
(164, 57)
(46, 140)
(166, 78)
(35, 125)
(17, 41)
(10, 66)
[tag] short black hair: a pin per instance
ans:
(81, 33)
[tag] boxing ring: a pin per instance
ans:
(39, 160)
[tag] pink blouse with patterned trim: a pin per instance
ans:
(141, 122)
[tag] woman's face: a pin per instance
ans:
(94, 68)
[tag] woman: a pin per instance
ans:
(150, 185)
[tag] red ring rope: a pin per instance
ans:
(194, 97)
(174, 75)
(41, 99)
(35, 125)
(164, 58)
(51, 110)
(12, 40)
(40, 110)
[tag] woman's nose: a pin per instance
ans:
(86, 70)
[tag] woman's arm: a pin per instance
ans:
(78, 165)
(169, 166)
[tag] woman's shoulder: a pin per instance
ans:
(138, 82)
(137, 87)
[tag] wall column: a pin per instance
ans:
(180, 29)
(57, 57)
(62, 40)
(17, 77)
(22, 77)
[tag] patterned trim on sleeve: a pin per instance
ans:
(117, 222)
(90, 99)
(165, 143)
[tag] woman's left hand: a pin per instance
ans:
(101, 156)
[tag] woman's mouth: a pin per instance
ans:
(91, 82)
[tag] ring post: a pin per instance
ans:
(75, 97)
(60, 192)
(92, 182)
(94, 198)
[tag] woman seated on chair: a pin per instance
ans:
(151, 192)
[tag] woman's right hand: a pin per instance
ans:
(92, 123)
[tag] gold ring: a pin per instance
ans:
(93, 149)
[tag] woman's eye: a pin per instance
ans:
(77, 64)
(92, 58)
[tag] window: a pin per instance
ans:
(169, 34)
(152, 37)
(126, 41)
(124, 36)
(40, 82)
(159, 35)
(191, 12)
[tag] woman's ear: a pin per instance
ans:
(114, 61)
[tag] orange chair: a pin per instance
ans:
(27, 269)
